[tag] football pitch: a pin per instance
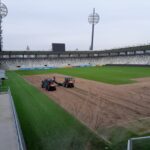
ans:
(106, 74)
(47, 126)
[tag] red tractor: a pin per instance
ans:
(69, 82)
(49, 84)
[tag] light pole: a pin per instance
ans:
(3, 13)
(93, 19)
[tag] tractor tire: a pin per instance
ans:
(42, 86)
(52, 88)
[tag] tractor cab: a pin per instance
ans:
(69, 82)
(49, 85)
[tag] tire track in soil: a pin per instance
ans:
(103, 105)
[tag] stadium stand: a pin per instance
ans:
(14, 60)
(15, 64)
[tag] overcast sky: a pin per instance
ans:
(39, 23)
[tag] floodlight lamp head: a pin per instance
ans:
(93, 18)
(3, 10)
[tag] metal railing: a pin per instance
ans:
(21, 142)
(130, 141)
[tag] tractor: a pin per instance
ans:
(69, 82)
(49, 85)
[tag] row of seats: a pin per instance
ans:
(15, 64)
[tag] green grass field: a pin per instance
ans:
(107, 74)
(46, 126)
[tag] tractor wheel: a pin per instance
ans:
(42, 86)
(52, 88)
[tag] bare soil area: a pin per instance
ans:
(98, 104)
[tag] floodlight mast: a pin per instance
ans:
(3, 13)
(93, 19)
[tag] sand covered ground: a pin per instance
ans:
(98, 104)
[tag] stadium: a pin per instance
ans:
(69, 99)
(107, 108)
